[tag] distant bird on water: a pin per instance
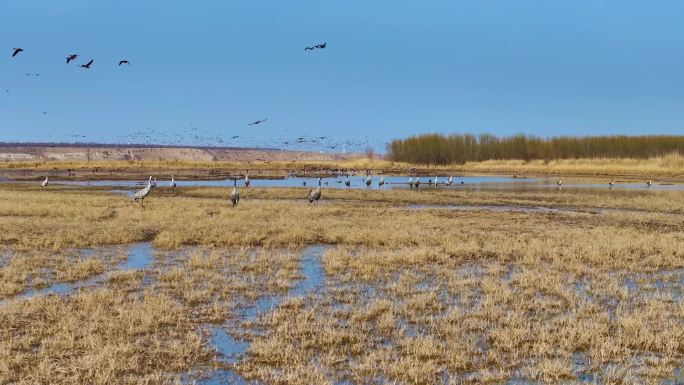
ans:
(142, 194)
(71, 58)
(247, 180)
(411, 182)
(560, 182)
(382, 182)
(347, 182)
(124, 62)
(257, 122)
(45, 183)
(173, 182)
(315, 195)
(649, 183)
(417, 183)
(369, 181)
(450, 181)
(17, 51)
(87, 65)
(611, 184)
(235, 195)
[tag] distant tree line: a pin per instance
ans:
(461, 148)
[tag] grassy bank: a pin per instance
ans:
(670, 167)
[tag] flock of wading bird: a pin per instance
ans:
(313, 195)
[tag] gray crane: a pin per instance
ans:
(142, 194)
(247, 179)
(173, 182)
(45, 183)
(347, 182)
(315, 195)
(417, 182)
(410, 182)
(369, 181)
(382, 182)
(235, 195)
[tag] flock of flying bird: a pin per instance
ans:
(316, 143)
(69, 59)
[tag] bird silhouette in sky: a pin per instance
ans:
(17, 51)
(257, 122)
(124, 62)
(71, 58)
(87, 65)
(321, 46)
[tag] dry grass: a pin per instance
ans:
(411, 296)
(98, 337)
(667, 166)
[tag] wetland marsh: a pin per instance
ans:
(539, 286)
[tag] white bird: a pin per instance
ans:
(315, 195)
(247, 180)
(436, 181)
(369, 181)
(450, 181)
(611, 184)
(142, 194)
(382, 182)
(650, 183)
(347, 182)
(410, 182)
(560, 182)
(235, 195)
(45, 183)
(417, 182)
(173, 182)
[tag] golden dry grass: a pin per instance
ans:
(662, 167)
(411, 296)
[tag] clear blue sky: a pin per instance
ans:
(201, 70)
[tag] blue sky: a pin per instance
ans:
(202, 70)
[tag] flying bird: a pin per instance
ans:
(235, 137)
(87, 65)
(124, 62)
(257, 122)
(309, 48)
(71, 58)
(17, 51)
(321, 46)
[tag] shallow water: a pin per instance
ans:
(231, 349)
(522, 209)
(139, 257)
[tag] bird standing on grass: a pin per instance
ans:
(142, 194)
(315, 195)
(235, 195)
(45, 183)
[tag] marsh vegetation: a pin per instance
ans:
(588, 294)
